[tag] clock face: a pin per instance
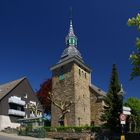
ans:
(61, 77)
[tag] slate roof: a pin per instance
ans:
(98, 90)
(6, 88)
(70, 52)
(69, 60)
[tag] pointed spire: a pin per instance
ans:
(71, 31)
(71, 43)
(71, 26)
(71, 39)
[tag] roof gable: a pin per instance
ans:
(6, 88)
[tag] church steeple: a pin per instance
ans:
(71, 45)
(71, 31)
(71, 39)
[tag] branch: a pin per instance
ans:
(69, 104)
(56, 104)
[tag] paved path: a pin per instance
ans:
(5, 136)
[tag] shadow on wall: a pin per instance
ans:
(14, 119)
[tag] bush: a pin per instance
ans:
(38, 132)
(73, 129)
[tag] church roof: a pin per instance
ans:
(6, 88)
(98, 90)
(70, 52)
(69, 60)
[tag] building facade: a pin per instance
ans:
(71, 82)
(15, 97)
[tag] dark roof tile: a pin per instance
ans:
(6, 88)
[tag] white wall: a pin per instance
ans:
(6, 122)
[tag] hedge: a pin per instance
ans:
(73, 129)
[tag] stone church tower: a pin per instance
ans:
(71, 78)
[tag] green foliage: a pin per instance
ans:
(135, 21)
(29, 127)
(113, 103)
(28, 131)
(72, 129)
(39, 132)
(134, 104)
(135, 56)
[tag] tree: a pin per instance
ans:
(35, 109)
(43, 95)
(134, 104)
(63, 105)
(113, 103)
(135, 56)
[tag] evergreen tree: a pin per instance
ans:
(113, 103)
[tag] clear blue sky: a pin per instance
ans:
(32, 38)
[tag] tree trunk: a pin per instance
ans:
(65, 121)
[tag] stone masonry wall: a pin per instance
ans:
(96, 109)
(63, 90)
(74, 87)
(82, 96)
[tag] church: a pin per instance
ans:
(71, 83)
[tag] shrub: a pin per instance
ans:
(73, 129)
